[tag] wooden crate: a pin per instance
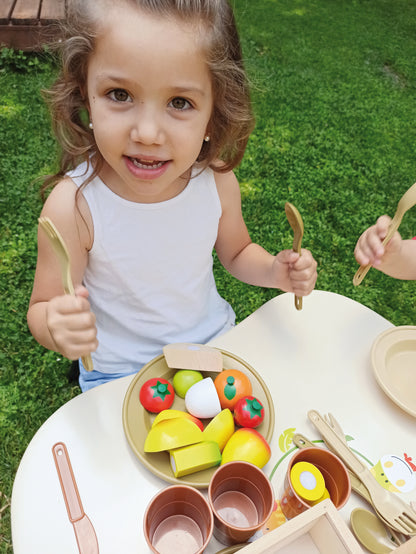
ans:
(28, 24)
(319, 530)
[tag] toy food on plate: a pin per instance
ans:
(202, 400)
(195, 457)
(247, 445)
(220, 428)
(184, 379)
(231, 385)
(248, 412)
(156, 394)
(172, 433)
(171, 414)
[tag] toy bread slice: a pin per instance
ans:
(186, 355)
(195, 457)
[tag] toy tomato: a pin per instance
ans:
(156, 395)
(231, 385)
(248, 412)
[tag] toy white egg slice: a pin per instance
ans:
(201, 400)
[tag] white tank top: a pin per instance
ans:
(149, 272)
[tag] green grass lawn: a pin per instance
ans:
(334, 97)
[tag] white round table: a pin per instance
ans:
(317, 358)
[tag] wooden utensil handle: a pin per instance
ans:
(297, 247)
(360, 274)
(87, 362)
(298, 302)
(364, 269)
(68, 484)
(337, 444)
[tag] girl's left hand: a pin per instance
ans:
(295, 273)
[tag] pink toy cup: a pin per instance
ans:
(178, 520)
(334, 472)
(242, 500)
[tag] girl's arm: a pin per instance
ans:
(57, 321)
(248, 261)
(397, 258)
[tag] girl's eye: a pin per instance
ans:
(119, 95)
(180, 104)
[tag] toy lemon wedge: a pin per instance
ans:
(220, 428)
(172, 433)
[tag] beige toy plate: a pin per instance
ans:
(137, 421)
(393, 356)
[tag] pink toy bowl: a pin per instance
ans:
(334, 472)
(178, 520)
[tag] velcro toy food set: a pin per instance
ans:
(220, 415)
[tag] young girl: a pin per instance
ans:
(145, 189)
(397, 258)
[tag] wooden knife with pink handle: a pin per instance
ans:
(83, 528)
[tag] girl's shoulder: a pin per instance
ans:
(68, 209)
(62, 198)
(227, 186)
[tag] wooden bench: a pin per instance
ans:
(26, 24)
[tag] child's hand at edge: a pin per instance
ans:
(295, 273)
(71, 324)
(369, 248)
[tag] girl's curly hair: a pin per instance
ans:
(231, 121)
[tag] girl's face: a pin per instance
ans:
(150, 100)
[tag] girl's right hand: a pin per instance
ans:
(369, 248)
(71, 324)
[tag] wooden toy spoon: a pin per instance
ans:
(295, 221)
(372, 533)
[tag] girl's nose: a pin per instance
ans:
(146, 128)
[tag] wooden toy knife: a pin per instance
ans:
(83, 528)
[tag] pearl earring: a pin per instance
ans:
(207, 138)
(90, 125)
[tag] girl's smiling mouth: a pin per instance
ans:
(143, 168)
(147, 164)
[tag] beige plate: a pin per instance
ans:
(393, 357)
(137, 421)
